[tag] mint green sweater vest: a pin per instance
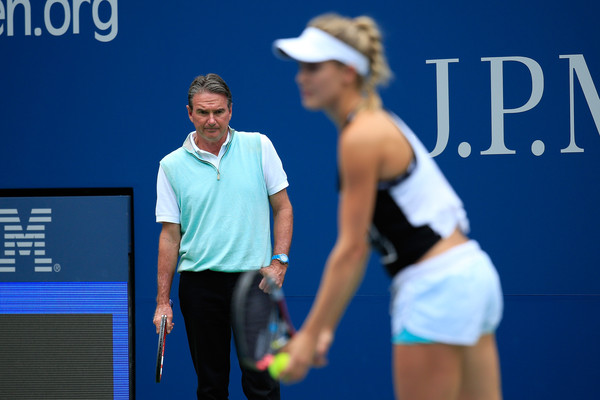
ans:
(225, 214)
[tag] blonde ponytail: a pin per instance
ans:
(364, 35)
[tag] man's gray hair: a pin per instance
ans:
(211, 83)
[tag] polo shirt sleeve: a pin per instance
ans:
(167, 209)
(275, 176)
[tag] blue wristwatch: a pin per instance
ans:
(283, 258)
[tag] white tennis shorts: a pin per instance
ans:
(452, 298)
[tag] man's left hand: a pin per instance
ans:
(276, 271)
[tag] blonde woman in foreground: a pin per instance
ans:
(446, 295)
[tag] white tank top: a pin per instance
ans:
(415, 210)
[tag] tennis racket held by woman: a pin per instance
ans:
(261, 323)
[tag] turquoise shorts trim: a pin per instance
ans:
(407, 338)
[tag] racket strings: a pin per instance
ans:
(268, 332)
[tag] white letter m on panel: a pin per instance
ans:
(25, 242)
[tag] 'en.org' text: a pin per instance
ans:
(59, 18)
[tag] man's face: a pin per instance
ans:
(210, 116)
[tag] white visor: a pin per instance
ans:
(315, 45)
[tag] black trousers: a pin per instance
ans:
(205, 300)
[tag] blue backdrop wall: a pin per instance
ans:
(504, 94)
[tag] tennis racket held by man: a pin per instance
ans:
(162, 338)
